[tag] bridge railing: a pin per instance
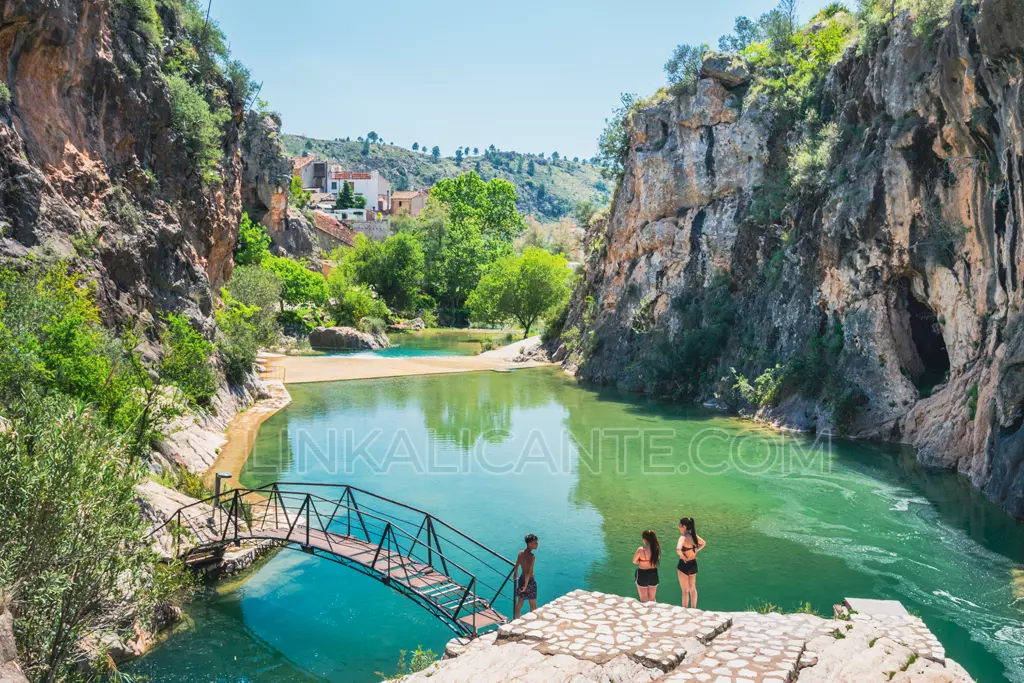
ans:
(286, 512)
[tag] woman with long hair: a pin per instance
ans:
(646, 559)
(687, 548)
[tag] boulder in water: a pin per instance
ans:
(346, 339)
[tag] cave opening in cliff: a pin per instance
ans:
(926, 334)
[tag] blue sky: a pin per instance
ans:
(530, 75)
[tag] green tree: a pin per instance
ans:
(521, 288)
(372, 136)
(780, 25)
(460, 263)
(491, 206)
(350, 302)
(436, 152)
(186, 363)
(87, 408)
(260, 289)
(393, 268)
(298, 197)
(415, 146)
(431, 228)
(74, 544)
(531, 168)
(253, 243)
(584, 211)
(458, 157)
(745, 33)
(346, 198)
(683, 68)
(299, 285)
(476, 151)
(199, 127)
(613, 144)
(237, 324)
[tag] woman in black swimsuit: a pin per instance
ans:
(687, 548)
(646, 559)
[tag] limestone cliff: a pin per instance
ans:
(266, 189)
(899, 270)
(92, 169)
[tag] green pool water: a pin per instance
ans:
(787, 520)
(435, 342)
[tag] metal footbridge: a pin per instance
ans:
(457, 579)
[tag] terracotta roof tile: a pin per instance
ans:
(410, 194)
(298, 163)
(334, 228)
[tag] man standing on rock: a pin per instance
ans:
(526, 587)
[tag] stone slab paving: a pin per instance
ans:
(598, 627)
(759, 648)
(587, 637)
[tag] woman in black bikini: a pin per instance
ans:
(687, 548)
(646, 559)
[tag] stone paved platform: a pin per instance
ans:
(588, 637)
(766, 648)
(598, 627)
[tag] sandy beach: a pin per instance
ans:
(301, 369)
(241, 433)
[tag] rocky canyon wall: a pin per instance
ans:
(901, 270)
(92, 170)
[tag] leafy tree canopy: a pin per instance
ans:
(520, 288)
(253, 243)
(393, 268)
(491, 206)
(299, 284)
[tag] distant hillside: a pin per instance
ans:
(552, 191)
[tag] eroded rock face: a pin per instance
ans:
(91, 169)
(911, 248)
(727, 69)
(346, 339)
(266, 173)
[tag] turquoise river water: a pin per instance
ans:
(787, 520)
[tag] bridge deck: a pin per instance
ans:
(417, 555)
(422, 578)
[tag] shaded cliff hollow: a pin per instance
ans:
(886, 285)
(93, 169)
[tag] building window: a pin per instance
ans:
(334, 186)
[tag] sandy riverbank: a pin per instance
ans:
(242, 430)
(301, 369)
